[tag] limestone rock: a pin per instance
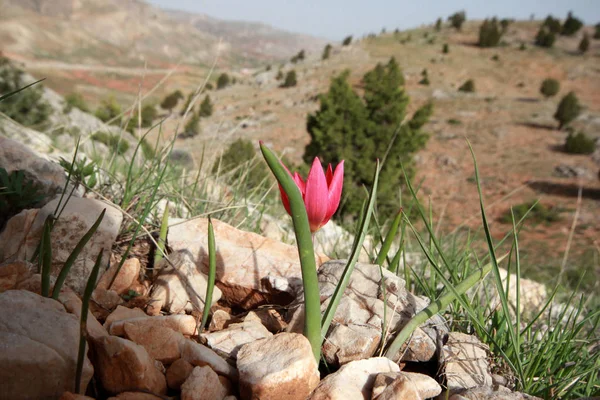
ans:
(125, 366)
(177, 373)
(39, 344)
(247, 264)
(404, 385)
(270, 319)
(487, 393)
(180, 287)
(228, 341)
(203, 384)
(220, 319)
(135, 396)
(199, 355)
(106, 299)
(160, 342)
(122, 313)
(127, 276)
(72, 304)
(12, 237)
(279, 367)
(463, 361)
(72, 396)
(184, 324)
(13, 273)
(353, 381)
(77, 217)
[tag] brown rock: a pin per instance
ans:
(39, 344)
(251, 269)
(219, 320)
(160, 342)
(72, 304)
(199, 356)
(487, 393)
(184, 324)
(177, 373)
(203, 384)
(270, 318)
(12, 237)
(122, 313)
(72, 396)
(353, 381)
(228, 341)
(125, 366)
(128, 275)
(463, 361)
(404, 385)
(136, 396)
(106, 299)
(12, 273)
(279, 367)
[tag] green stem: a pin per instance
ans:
(312, 301)
(387, 243)
(212, 268)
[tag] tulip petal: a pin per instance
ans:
(285, 200)
(329, 175)
(316, 196)
(300, 183)
(335, 191)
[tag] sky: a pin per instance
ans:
(335, 19)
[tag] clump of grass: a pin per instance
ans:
(536, 212)
(113, 141)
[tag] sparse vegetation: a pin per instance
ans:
(171, 100)
(457, 19)
(597, 31)
(445, 48)
(579, 143)
(534, 212)
(28, 108)
(584, 44)
(109, 110)
(192, 127)
(279, 75)
(550, 87)
(490, 33)
(552, 24)
(223, 81)
(545, 37)
(568, 109)
(347, 40)
(438, 24)
(240, 164)
(17, 192)
(290, 79)
(298, 57)
(326, 52)
(75, 100)
(424, 77)
(571, 25)
(113, 141)
(206, 107)
(468, 86)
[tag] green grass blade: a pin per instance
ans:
(7, 95)
(46, 256)
(212, 272)
(162, 237)
(358, 242)
(62, 276)
(389, 239)
(85, 304)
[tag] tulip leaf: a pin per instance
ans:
(212, 269)
(357, 246)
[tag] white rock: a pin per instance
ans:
(228, 341)
(203, 384)
(463, 362)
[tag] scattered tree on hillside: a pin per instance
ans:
(424, 77)
(597, 32)
(568, 109)
(504, 23)
(438, 24)
(445, 48)
(192, 127)
(522, 46)
(552, 24)
(75, 100)
(489, 33)
(347, 41)
(222, 81)
(28, 107)
(209, 86)
(571, 25)
(298, 57)
(550, 87)
(357, 130)
(206, 107)
(170, 101)
(149, 114)
(457, 19)
(579, 143)
(584, 44)
(326, 52)
(109, 110)
(468, 86)
(290, 79)
(188, 101)
(240, 164)
(279, 75)
(545, 37)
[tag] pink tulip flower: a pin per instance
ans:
(321, 193)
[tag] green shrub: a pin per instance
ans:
(149, 114)
(468, 86)
(113, 141)
(326, 52)
(584, 44)
(279, 75)
(109, 110)
(445, 48)
(424, 78)
(17, 192)
(571, 26)
(579, 143)
(187, 103)
(290, 79)
(568, 109)
(171, 100)
(75, 100)
(597, 31)
(438, 24)
(545, 38)
(489, 33)
(550, 87)
(358, 130)
(457, 19)
(206, 107)
(209, 86)
(454, 121)
(504, 23)
(298, 57)
(522, 46)
(552, 24)
(538, 214)
(192, 127)
(27, 107)
(241, 157)
(347, 41)
(223, 81)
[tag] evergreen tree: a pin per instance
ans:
(170, 101)
(28, 107)
(206, 107)
(192, 127)
(298, 57)
(489, 33)
(552, 24)
(188, 101)
(584, 44)
(148, 115)
(571, 25)
(347, 41)
(568, 109)
(109, 110)
(550, 87)
(222, 81)
(326, 52)
(424, 77)
(438, 24)
(545, 37)
(597, 32)
(468, 86)
(290, 79)
(579, 143)
(445, 48)
(457, 19)
(75, 100)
